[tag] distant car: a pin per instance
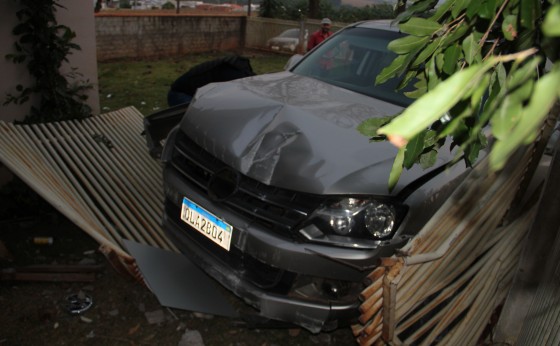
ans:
(287, 41)
(272, 191)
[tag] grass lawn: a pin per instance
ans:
(144, 84)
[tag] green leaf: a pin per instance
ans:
(407, 44)
(471, 49)
(542, 99)
(451, 57)
(419, 6)
(428, 159)
(551, 24)
(521, 75)
(509, 27)
(442, 9)
(479, 91)
(410, 75)
(455, 34)
(529, 13)
(458, 7)
(413, 149)
(501, 75)
(473, 149)
(487, 9)
(505, 119)
(397, 67)
(430, 107)
(420, 27)
(397, 169)
(473, 9)
(427, 52)
(370, 126)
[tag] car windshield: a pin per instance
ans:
(352, 59)
(293, 33)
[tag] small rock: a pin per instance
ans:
(294, 332)
(88, 288)
(181, 326)
(321, 339)
(87, 261)
(91, 335)
(203, 316)
(191, 338)
(55, 325)
(114, 312)
(85, 319)
(155, 317)
(89, 252)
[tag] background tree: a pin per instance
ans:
(314, 9)
(43, 45)
(474, 64)
(270, 9)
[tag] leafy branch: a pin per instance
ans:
(43, 45)
(477, 67)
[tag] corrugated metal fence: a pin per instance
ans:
(96, 171)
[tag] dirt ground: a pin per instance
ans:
(123, 312)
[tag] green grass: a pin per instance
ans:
(144, 84)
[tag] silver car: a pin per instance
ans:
(287, 41)
(272, 191)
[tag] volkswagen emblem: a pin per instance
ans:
(223, 184)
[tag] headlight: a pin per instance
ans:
(353, 222)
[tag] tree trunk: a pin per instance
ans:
(314, 9)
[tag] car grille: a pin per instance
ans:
(278, 210)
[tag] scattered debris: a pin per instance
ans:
(134, 329)
(321, 339)
(155, 317)
(52, 272)
(43, 240)
(87, 261)
(294, 332)
(203, 316)
(102, 139)
(191, 338)
(78, 303)
(85, 319)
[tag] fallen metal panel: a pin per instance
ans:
(177, 282)
(97, 172)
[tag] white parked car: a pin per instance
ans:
(287, 41)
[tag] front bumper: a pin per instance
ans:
(275, 258)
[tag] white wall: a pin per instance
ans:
(79, 16)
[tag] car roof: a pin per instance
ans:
(383, 24)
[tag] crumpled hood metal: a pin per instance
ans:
(296, 133)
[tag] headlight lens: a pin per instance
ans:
(362, 222)
(379, 219)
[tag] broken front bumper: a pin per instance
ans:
(258, 261)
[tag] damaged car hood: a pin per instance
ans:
(297, 133)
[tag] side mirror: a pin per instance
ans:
(294, 59)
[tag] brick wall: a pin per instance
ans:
(163, 36)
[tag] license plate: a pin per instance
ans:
(206, 223)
